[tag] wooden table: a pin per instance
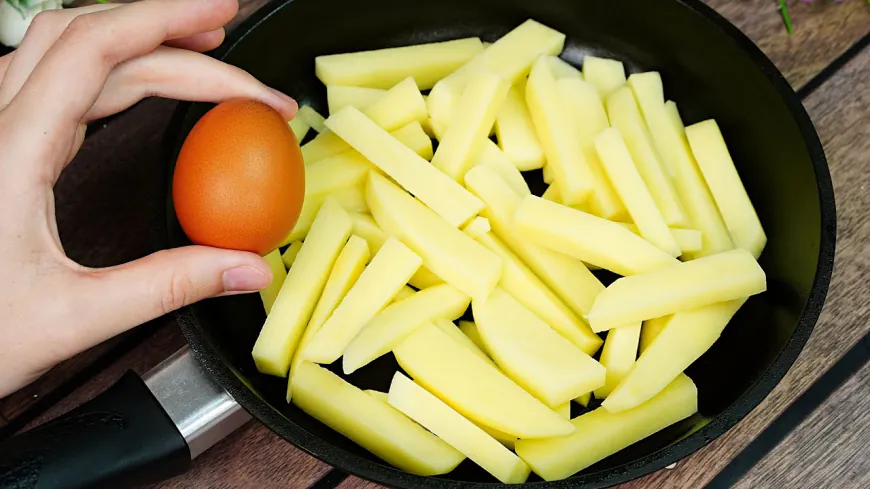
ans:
(827, 61)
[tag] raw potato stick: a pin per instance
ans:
(716, 278)
(290, 254)
(452, 331)
(516, 132)
(311, 117)
(563, 69)
(608, 75)
(493, 157)
(269, 294)
(339, 97)
(618, 356)
(299, 127)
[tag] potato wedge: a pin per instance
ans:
(586, 237)
(724, 183)
(391, 325)
(311, 117)
(303, 286)
(600, 433)
(299, 127)
(340, 96)
(373, 424)
(446, 251)
(387, 273)
(618, 356)
(684, 338)
(383, 68)
(434, 188)
(462, 142)
(452, 331)
(608, 75)
(289, 255)
(563, 69)
(269, 294)
(460, 382)
(716, 278)
(531, 353)
(650, 331)
(460, 433)
(493, 157)
(553, 118)
(516, 132)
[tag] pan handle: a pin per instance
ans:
(136, 432)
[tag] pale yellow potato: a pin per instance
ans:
(434, 188)
(684, 338)
(548, 175)
(618, 356)
(440, 104)
(633, 192)
(586, 237)
(399, 106)
(452, 331)
(365, 226)
(564, 410)
(305, 281)
(584, 400)
(348, 267)
(567, 277)
(269, 294)
(625, 116)
(291, 253)
(589, 119)
(396, 321)
(424, 278)
(460, 382)
(329, 144)
(299, 127)
(516, 132)
(353, 199)
(531, 353)
(470, 330)
(511, 56)
(690, 285)
(600, 433)
(388, 272)
(371, 423)
(414, 137)
(519, 281)
(671, 144)
(460, 433)
(493, 157)
(551, 194)
(563, 69)
(446, 251)
(381, 396)
(688, 240)
(404, 293)
(552, 117)
(608, 75)
(383, 68)
(340, 96)
(721, 176)
(311, 117)
(650, 331)
(462, 142)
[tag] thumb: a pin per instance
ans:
(121, 297)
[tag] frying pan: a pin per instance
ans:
(712, 70)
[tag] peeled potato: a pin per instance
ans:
(269, 294)
(516, 132)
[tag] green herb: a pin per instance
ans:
(784, 9)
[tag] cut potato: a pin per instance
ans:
(564, 410)
(353, 199)
(553, 118)
(339, 97)
(562, 69)
(414, 137)
(460, 433)
(435, 189)
(493, 157)
(625, 116)
(311, 117)
(650, 331)
(399, 106)
(674, 149)
(452, 331)
(329, 144)
(516, 132)
(721, 176)
(462, 143)
(381, 396)
(365, 226)
(684, 338)
(348, 267)
(633, 192)
(618, 356)
(303, 286)
(567, 277)
(460, 382)
(374, 425)
(584, 400)
(388, 272)
(543, 362)
(446, 251)
(688, 240)
(589, 238)
(470, 330)
(690, 285)
(519, 281)
(424, 279)
(589, 119)
(390, 326)
(299, 127)
(289, 255)
(600, 433)
(383, 68)
(547, 174)
(607, 75)
(269, 294)
(404, 293)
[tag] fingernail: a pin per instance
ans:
(292, 106)
(244, 279)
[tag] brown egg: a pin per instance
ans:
(239, 179)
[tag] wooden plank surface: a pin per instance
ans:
(827, 450)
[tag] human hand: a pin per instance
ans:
(72, 67)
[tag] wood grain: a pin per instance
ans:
(827, 450)
(822, 31)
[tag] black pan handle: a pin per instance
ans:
(136, 432)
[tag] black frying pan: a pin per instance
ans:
(708, 67)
